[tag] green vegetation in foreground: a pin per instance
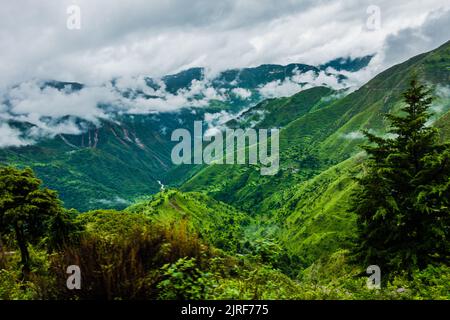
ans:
(144, 253)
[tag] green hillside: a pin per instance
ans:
(279, 112)
(324, 136)
(298, 164)
(316, 219)
(219, 224)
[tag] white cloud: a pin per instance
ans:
(443, 91)
(417, 39)
(303, 81)
(30, 99)
(241, 93)
(51, 111)
(441, 103)
(216, 122)
(354, 135)
(158, 37)
(11, 137)
(111, 202)
(280, 88)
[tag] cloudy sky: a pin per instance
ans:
(156, 37)
(47, 40)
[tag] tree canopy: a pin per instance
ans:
(26, 208)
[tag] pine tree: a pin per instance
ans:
(403, 200)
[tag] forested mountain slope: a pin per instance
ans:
(326, 135)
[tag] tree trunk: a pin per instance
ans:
(2, 251)
(24, 254)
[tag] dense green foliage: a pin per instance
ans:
(26, 210)
(143, 253)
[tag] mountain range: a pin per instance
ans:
(114, 160)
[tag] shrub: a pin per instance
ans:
(183, 280)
